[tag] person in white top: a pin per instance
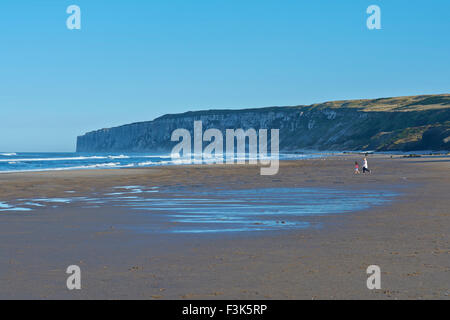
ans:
(365, 166)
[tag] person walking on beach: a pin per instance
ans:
(357, 167)
(365, 166)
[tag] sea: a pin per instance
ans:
(56, 161)
(46, 161)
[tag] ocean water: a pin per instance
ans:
(24, 161)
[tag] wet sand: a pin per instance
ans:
(408, 238)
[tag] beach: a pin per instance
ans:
(407, 237)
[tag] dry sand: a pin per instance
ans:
(408, 239)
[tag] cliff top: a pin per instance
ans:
(391, 104)
(404, 104)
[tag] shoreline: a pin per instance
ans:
(107, 177)
(407, 238)
(286, 156)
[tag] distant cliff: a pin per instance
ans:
(401, 123)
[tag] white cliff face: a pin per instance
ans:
(300, 128)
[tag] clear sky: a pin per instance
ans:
(134, 60)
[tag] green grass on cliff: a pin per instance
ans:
(397, 104)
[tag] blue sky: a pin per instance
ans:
(135, 60)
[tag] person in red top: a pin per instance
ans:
(356, 167)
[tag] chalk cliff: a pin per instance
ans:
(400, 123)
